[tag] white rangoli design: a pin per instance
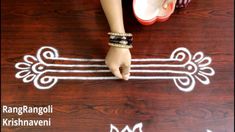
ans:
(138, 127)
(47, 67)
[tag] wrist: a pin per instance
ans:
(118, 48)
(118, 29)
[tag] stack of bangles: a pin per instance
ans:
(122, 40)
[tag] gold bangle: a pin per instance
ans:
(120, 45)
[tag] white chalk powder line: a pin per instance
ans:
(95, 65)
(113, 78)
(102, 60)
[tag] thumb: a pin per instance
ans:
(125, 72)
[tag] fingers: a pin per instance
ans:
(125, 72)
(116, 72)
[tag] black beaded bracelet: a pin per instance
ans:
(123, 40)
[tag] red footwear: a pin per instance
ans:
(148, 12)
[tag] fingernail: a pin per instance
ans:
(126, 77)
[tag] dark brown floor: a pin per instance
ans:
(77, 28)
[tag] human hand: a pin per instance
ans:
(119, 61)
